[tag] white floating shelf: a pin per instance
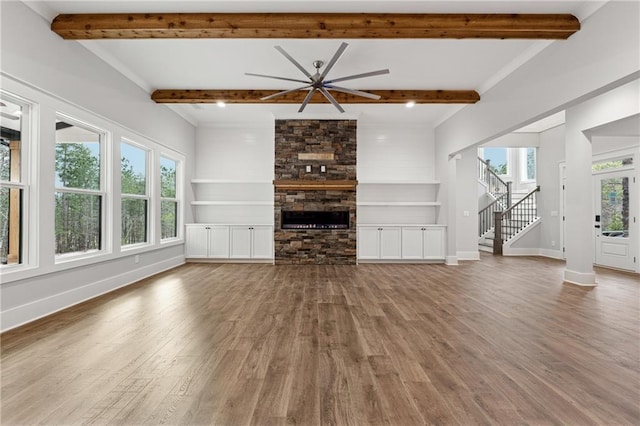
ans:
(399, 182)
(399, 203)
(232, 203)
(226, 181)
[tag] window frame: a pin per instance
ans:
(102, 191)
(147, 196)
(522, 158)
(177, 199)
(27, 254)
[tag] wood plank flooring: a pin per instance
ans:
(500, 341)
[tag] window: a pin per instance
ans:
(169, 199)
(79, 192)
(498, 158)
(135, 199)
(13, 117)
(612, 164)
(528, 162)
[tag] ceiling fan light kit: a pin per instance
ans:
(317, 82)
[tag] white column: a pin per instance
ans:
(452, 178)
(579, 205)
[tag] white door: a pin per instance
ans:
(615, 231)
(412, 242)
(262, 244)
(196, 241)
(219, 242)
(391, 242)
(368, 242)
(240, 237)
(434, 243)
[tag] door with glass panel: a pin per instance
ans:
(615, 216)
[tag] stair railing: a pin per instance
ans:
(495, 185)
(486, 220)
(514, 219)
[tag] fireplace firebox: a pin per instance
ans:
(315, 219)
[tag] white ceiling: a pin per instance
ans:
(221, 64)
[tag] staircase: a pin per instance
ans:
(501, 221)
(499, 193)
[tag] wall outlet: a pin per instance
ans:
(136, 258)
(308, 168)
(323, 169)
(465, 213)
(553, 243)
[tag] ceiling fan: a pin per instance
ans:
(318, 83)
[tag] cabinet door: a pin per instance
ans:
(219, 242)
(262, 244)
(368, 242)
(412, 242)
(391, 242)
(240, 247)
(434, 243)
(196, 241)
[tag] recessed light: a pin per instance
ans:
(410, 104)
(221, 104)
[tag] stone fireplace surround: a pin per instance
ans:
(331, 138)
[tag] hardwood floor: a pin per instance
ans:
(500, 341)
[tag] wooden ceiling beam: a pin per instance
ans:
(253, 97)
(314, 25)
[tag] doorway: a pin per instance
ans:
(614, 205)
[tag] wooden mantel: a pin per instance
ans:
(315, 185)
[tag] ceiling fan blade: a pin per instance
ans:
(275, 95)
(273, 76)
(331, 99)
(293, 61)
(353, 92)
(307, 99)
(333, 60)
(351, 77)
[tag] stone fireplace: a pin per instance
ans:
(315, 178)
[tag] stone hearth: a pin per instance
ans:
(335, 142)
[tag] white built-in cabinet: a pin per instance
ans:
(207, 241)
(423, 242)
(397, 221)
(230, 242)
(401, 242)
(379, 242)
(234, 220)
(251, 242)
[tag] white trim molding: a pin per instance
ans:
(580, 278)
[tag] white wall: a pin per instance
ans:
(467, 206)
(395, 151)
(550, 155)
(240, 159)
(62, 76)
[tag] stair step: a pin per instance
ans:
(486, 243)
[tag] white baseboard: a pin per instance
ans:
(468, 255)
(554, 254)
(451, 260)
(520, 251)
(580, 278)
(29, 312)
